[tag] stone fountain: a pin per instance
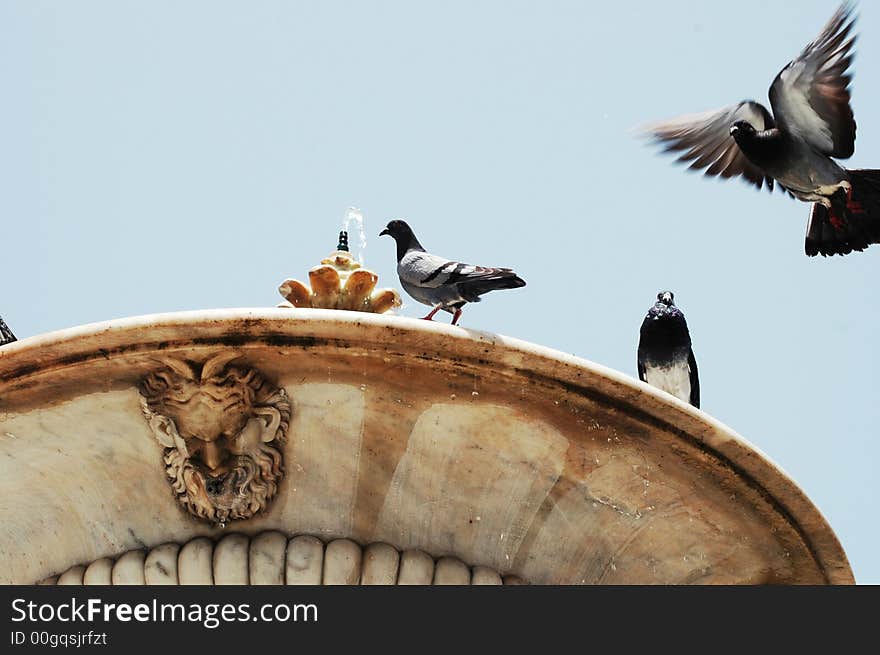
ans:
(328, 441)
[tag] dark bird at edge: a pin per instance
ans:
(793, 148)
(6, 335)
(665, 357)
(440, 283)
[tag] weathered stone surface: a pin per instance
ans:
(542, 466)
(380, 565)
(99, 572)
(72, 576)
(451, 571)
(483, 575)
(270, 558)
(342, 563)
(231, 560)
(129, 569)
(305, 560)
(195, 564)
(266, 558)
(160, 566)
(416, 568)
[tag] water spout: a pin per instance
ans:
(356, 216)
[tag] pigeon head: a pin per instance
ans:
(666, 297)
(398, 230)
(742, 129)
(402, 233)
(664, 309)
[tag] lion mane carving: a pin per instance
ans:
(223, 428)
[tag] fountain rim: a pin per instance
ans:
(73, 346)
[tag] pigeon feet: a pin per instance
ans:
(456, 316)
(431, 314)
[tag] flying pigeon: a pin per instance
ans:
(442, 283)
(665, 358)
(812, 122)
(6, 335)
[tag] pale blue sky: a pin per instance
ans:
(160, 156)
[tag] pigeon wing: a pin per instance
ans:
(705, 140)
(429, 271)
(695, 379)
(643, 375)
(810, 96)
(422, 269)
(473, 281)
(6, 335)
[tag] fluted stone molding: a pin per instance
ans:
(435, 451)
(271, 558)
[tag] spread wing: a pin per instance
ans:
(705, 141)
(810, 96)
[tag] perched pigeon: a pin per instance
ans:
(441, 283)
(812, 122)
(665, 358)
(6, 335)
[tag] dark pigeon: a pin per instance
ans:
(441, 283)
(6, 335)
(666, 359)
(812, 122)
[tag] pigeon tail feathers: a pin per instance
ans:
(492, 279)
(852, 222)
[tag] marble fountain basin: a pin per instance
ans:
(415, 452)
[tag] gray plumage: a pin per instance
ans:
(812, 122)
(441, 283)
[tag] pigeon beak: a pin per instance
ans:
(384, 232)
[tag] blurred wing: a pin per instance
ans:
(810, 97)
(705, 141)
